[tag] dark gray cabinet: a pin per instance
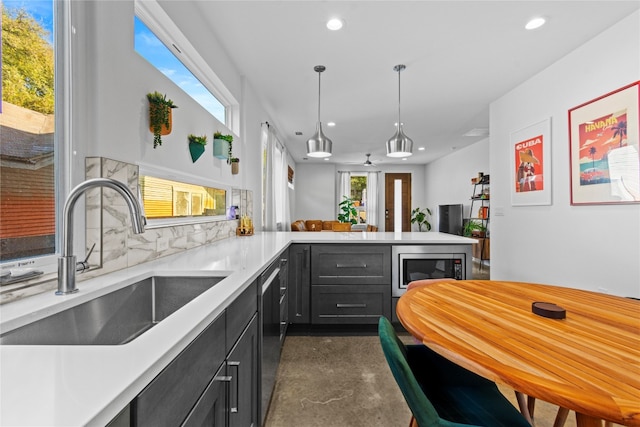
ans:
(242, 368)
(299, 283)
(350, 284)
(214, 381)
(211, 408)
(351, 264)
(168, 399)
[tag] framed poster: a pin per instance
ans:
(531, 165)
(603, 141)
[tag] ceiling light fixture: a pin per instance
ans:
(535, 23)
(399, 145)
(368, 161)
(334, 24)
(319, 145)
(331, 124)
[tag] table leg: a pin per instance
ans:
(583, 420)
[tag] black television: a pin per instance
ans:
(450, 219)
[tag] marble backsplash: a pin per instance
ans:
(108, 227)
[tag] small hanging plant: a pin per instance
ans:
(196, 146)
(194, 139)
(159, 116)
(220, 141)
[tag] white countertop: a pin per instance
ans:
(89, 385)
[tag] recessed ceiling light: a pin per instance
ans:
(331, 124)
(334, 24)
(535, 23)
(404, 158)
(326, 159)
(421, 148)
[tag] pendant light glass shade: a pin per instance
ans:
(399, 145)
(319, 145)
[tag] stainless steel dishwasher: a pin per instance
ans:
(272, 329)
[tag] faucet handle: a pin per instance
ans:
(82, 266)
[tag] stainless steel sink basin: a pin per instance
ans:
(115, 318)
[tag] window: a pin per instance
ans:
(159, 41)
(359, 195)
(163, 198)
(29, 147)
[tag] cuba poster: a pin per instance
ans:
(529, 163)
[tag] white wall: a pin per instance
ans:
(448, 179)
(110, 82)
(588, 247)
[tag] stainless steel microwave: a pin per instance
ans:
(417, 262)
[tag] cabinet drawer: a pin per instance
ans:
(344, 304)
(168, 399)
(350, 264)
(240, 312)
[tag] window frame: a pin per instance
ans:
(157, 20)
(145, 169)
(62, 52)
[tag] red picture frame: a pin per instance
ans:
(604, 147)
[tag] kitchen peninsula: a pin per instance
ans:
(91, 384)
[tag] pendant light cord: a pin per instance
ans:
(399, 69)
(319, 77)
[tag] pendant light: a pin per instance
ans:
(399, 145)
(319, 145)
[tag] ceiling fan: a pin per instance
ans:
(368, 161)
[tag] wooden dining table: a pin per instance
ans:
(588, 362)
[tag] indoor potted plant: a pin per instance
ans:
(160, 117)
(196, 145)
(474, 229)
(235, 165)
(222, 145)
(419, 216)
(347, 216)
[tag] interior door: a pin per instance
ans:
(390, 199)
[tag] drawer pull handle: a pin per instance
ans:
(351, 305)
(351, 265)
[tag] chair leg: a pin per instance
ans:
(531, 405)
(561, 417)
(524, 408)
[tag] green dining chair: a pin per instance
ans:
(440, 393)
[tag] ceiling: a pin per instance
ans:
(459, 56)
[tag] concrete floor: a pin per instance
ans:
(344, 381)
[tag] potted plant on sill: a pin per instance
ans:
(419, 216)
(222, 145)
(235, 165)
(160, 116)
(348, 215)
(196, 146)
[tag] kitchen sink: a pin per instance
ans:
(115, 318)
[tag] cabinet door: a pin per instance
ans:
(168, 399)
(242, 367)
(299, 286)
(211, 409)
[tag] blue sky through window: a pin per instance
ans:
(40, 10)
(153, 50)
